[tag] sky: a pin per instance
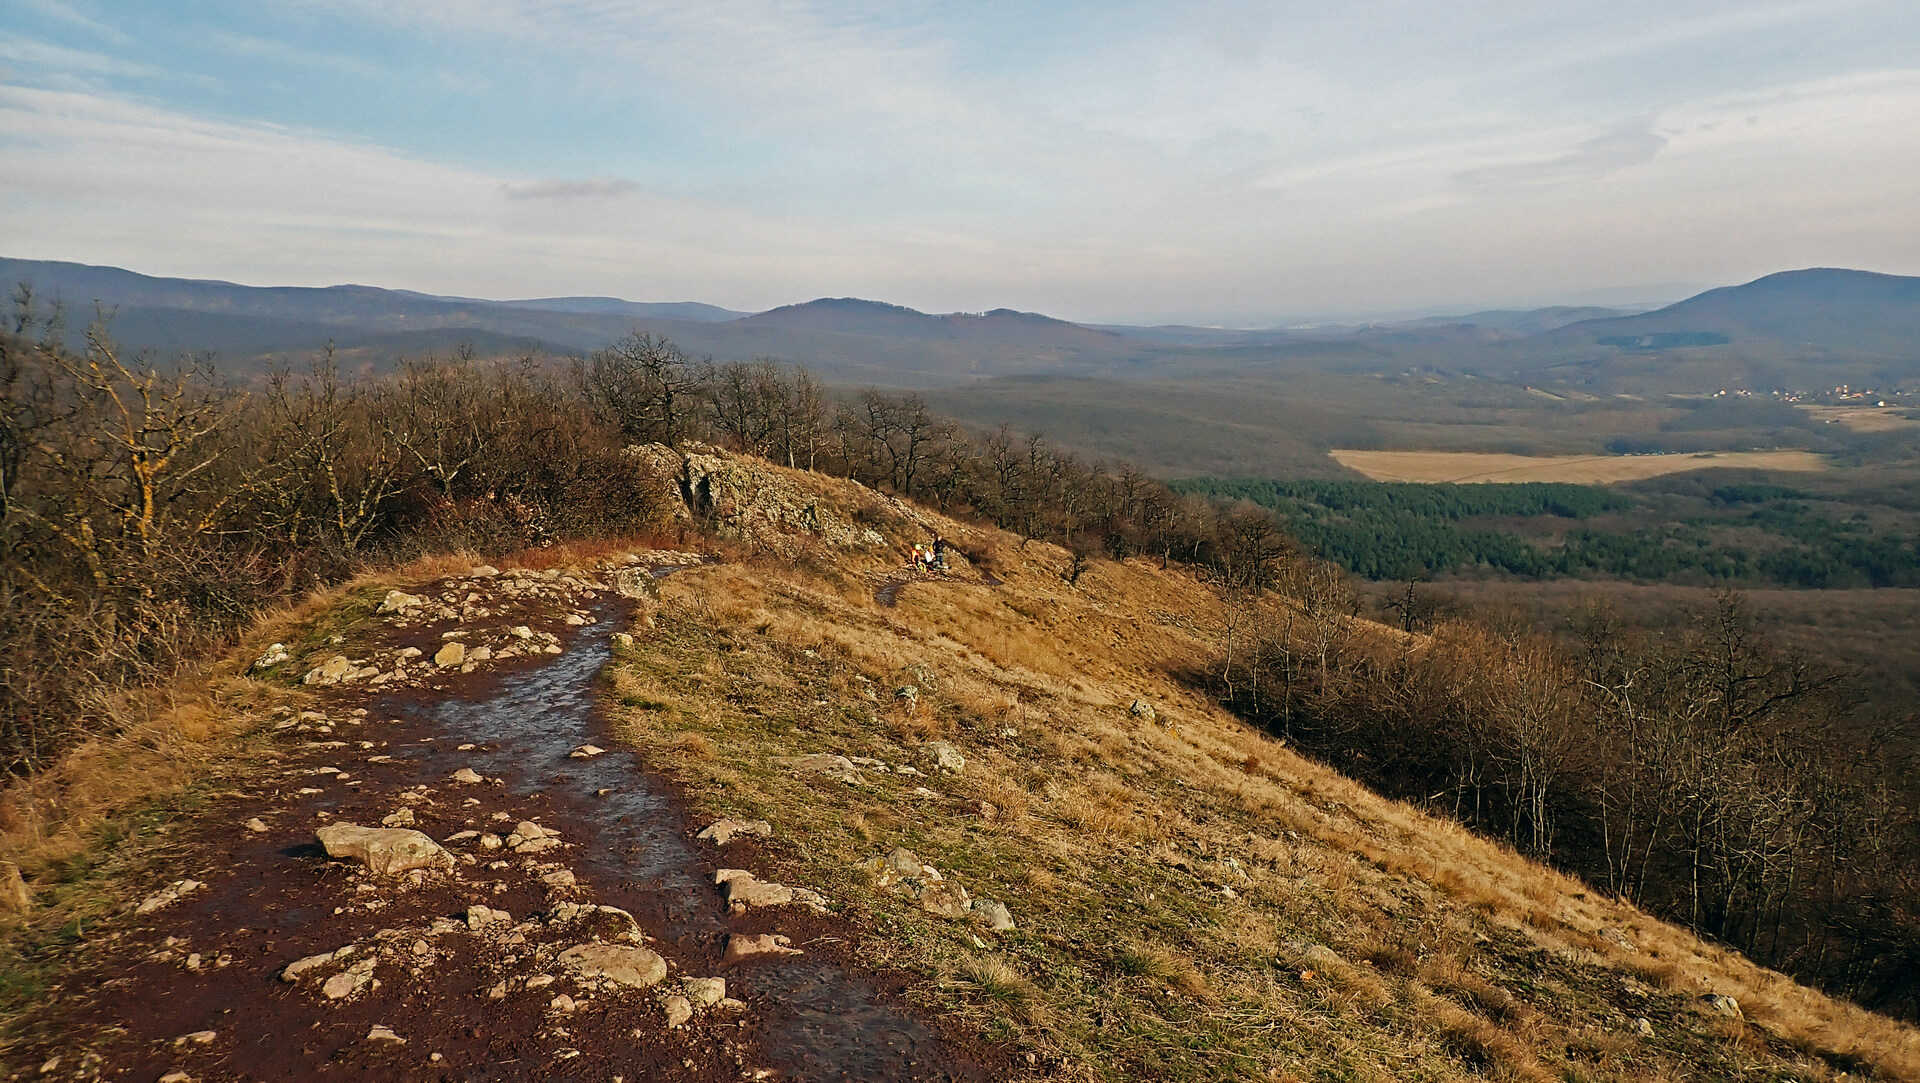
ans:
(1232, 163)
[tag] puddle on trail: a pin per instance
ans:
(816, 1020)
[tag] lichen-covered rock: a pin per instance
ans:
(944, 757)
(837, 768)
(399, 601)
(748, 498)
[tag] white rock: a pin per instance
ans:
(398, 601)
(168, 895)
(384, 850)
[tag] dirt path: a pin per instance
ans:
(887, 591)
(567, 874)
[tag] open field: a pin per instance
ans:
(1864, 418)
(1473, 466)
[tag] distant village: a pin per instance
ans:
(1837, 395)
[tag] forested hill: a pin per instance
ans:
(1744, 534)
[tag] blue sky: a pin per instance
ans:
(1239, 163)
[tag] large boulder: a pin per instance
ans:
(385, 851)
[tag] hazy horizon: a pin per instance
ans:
(1237, 165)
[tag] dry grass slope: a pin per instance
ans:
(1194, 900)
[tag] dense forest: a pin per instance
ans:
(1742, 534)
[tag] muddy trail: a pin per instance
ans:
(567, 924)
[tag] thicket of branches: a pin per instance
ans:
(1700, 773)
(149, 510)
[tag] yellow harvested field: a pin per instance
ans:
(1862, 418)
(1474, 466)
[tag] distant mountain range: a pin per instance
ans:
(1796, 327)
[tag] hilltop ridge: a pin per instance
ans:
(1018, 810)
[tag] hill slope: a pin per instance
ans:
(1185, 898)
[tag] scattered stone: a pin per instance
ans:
(398, 601)
(175, 1076)
(947, 900)
(349, 981)
(679, 1010)
(837, 768)
(330, 671)
(452, 654)
(383, 1033)
(384, 850)
(256, 825)
(622, 641)
(165, 897)
(1722, 1004)
(1642, 1026)
(479, 917)
(531, 838)
(560, 879)
(272, 656)
(743, 946)
(520, 631)
(586, 752)
(198, 1037)
(944, 757)
(631, 966)
(469, 776)
(481, 653)
(704, 992)
(743, 890)
(722, 832)
(1143, 710)
(1319, 956)
(995, 914)
(401, 818)
(484, 571)
(562, 1003)
(295, 970)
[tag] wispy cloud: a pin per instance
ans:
(589, 188)
(42, 56)
(64, 12)
(1630, 144)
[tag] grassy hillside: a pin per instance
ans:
(1190, 899)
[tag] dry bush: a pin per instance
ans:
(999, 983)
(1162, 964)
